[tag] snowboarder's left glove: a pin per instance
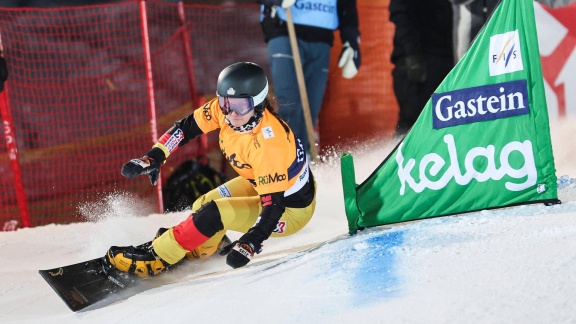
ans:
(143, 165)
(241, 252)
(350, 58)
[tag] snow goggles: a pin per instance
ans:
(241, 106)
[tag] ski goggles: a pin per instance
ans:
(241, 106)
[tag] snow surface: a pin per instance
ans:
(513, 265)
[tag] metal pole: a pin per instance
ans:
(10, 136)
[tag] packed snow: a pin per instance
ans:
(512, 265)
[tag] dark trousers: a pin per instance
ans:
(315, 57)
(413, 96)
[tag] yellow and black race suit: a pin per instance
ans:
(270, 162)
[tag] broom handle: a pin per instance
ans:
(301, 85)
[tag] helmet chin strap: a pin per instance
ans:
(250, 124)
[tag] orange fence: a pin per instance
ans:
(79, 101)
(363, 107)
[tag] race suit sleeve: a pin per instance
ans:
(272, 209)
(200, 121)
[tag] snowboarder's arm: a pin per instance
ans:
(242, 251)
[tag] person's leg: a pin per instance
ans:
(406, 94)
(240, 214)
(203, 230)
(294, 219)
(286, 85)
(237, 214)
(201, 233)
(316, 63)
(237, 187)
(413, 96)
(438, 68)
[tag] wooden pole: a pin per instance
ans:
(301, 85)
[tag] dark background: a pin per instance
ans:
(68, 3)
(49, 3)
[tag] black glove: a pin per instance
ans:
(416, 70)
(143, 165)
(241, 252)
(350, 58)
(282, 3)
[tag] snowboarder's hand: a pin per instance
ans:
(143, 165)
(241, 252)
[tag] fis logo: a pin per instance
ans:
(267, 132)
(471, 105)
(505, 55)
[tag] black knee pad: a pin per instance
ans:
(207, 219)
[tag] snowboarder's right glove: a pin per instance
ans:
(143, 165)
(282, 3)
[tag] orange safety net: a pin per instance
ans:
(363, 107)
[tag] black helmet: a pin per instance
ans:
(243, 80)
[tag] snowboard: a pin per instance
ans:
(96, 283)
(87, 283)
